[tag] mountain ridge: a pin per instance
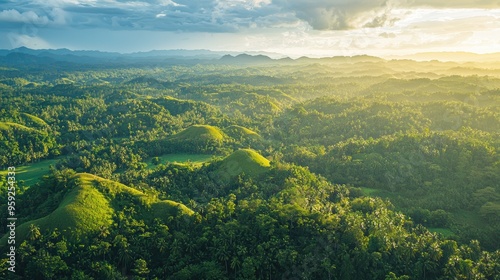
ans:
(65, 57)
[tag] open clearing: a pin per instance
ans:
(32, 173)
(196, 159)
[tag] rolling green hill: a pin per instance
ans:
(83, 210)
(240, 132)
(154, 208)
(196, 139)
(245, 161)
(11, 126)
(91, 204)
(34, 120)
(200, 133)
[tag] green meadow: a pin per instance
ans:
(30, 174)
(196, 159)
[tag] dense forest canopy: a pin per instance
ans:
(251, 168)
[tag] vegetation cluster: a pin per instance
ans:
(340, 168)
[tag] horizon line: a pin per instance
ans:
(270, 54)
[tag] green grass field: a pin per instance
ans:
(32, 173)
(196, 159)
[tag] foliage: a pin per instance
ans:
(327, 169)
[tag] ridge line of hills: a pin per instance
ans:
(90, 202)
(25, 55)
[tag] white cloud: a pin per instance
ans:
(352, 14)
(25, 17)
(168, 3)
(58, 16)
(226, 15)
(323, 27)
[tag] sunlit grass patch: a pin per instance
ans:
(244, 160)
(199, 133)
(32, 173)
(196, 159)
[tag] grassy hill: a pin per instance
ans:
(36, 121)
(200, 133)
(196, 139)
(83, 210)
(154, 208)
(240, 132)
(91, 205)
(245, 161)
(19, 127)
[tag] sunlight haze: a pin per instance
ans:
(292, 28)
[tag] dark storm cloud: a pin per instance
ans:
(215, 15)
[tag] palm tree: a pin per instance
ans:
(235, 264)
(161, 245)
(124, 254)
(222, 254)
(103, 249)
(34, 232)
(103, 231)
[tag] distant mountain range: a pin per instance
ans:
(86, 53)
(178, 54)
(65, 57)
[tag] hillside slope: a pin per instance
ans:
(245, 161)
(199, 133)
(91, 204)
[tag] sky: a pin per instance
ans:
(290, 27)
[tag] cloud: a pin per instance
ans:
(220, 15)
(482, 4)
(55, 16)
(387, 35)
(25, 17)
(157, 15)
(338, 14)
(351, 14)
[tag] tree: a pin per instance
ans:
(140, 267)
(156, 160)
(34, 232)
(49, 267)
